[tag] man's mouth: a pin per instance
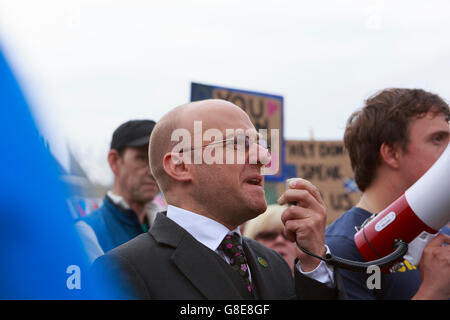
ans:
(254, 180)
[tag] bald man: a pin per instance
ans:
(207, 159)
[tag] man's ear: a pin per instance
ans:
(175, 166)
(113, 160)
(390, 154)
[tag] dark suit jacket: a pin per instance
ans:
(168, 263)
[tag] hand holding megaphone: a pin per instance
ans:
(435, 269)
(305, 220)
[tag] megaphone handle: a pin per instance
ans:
(400, 246)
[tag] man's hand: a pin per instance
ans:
(435, 270)
(305, 222)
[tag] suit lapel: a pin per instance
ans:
(258, 271)
(195, 261)
(203, 271)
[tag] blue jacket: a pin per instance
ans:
(401, 285)
(113, 225)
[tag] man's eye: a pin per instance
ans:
(439, 138)
(238, 143)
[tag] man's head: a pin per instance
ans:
(128, 159)
(230, 193)
(403, 129)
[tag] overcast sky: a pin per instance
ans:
(88, 66)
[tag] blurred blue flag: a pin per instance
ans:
(41, 254)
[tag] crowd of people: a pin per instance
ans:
(218, 238)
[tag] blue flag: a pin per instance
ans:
(41, 254)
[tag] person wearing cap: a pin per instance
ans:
(123, 214)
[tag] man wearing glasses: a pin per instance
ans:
(195, 250)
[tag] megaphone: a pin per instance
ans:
(413, 219)
(421, 211)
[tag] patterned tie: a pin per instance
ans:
(232, 247)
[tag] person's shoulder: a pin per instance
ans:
(339, 236)
(133, 248)
(136, 255)
(124, 267)
(344, 226)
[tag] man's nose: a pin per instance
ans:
(259, 155)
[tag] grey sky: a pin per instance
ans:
(88, 66)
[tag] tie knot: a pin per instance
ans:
(231, 245)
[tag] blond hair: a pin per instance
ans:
(269, 220)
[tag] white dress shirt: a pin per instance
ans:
(210, 233)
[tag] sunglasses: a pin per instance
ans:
(270, 235)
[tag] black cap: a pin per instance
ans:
(133, 133)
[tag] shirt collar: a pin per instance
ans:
(118, 200)
(205, 230)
